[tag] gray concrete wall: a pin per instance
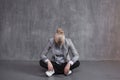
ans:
(93, 26)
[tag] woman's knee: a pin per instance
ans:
(78, 63)
(42, 63)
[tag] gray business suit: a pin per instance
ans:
(60, 54)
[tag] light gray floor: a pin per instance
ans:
(88, 70)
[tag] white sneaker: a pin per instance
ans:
(70, 72)
(49, 73)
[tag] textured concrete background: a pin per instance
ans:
(93, 26)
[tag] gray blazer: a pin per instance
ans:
(61, 54)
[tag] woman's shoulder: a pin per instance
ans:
(51, 40)
(68, 41)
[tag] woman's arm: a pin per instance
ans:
(45, 52)
(74, 53)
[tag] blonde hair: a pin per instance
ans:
(59, 35)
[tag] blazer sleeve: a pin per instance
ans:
(74, 52)
(45, 51)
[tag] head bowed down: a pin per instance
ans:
(59, 36)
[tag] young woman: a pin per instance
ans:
(60, 62)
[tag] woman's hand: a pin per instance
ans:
(67, 68)
(50, 66)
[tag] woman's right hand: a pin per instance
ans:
(50, 66)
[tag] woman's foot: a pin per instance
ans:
(69, 72)
(49, 73)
